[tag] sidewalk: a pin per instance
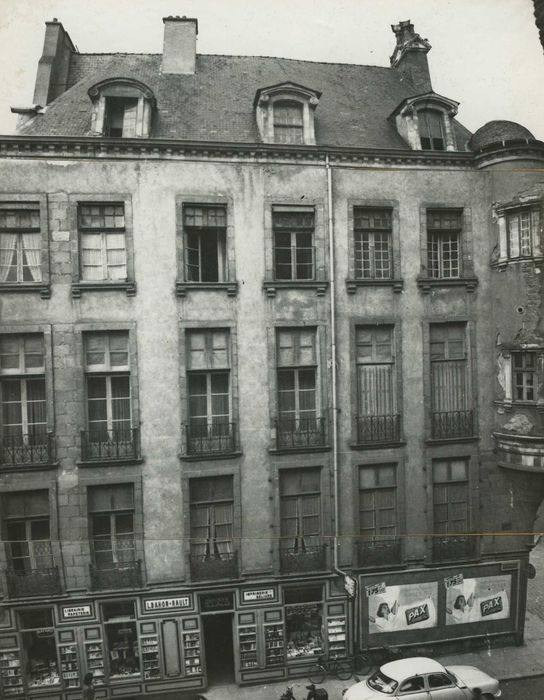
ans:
(504, 664)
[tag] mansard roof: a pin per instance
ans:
(217, 103)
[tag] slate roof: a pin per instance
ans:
(498, 131)
(216, 103)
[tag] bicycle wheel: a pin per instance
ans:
(317, 674)
(344, 669)
(363, 664)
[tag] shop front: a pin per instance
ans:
(155, 645)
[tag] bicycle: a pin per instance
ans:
(367, 659)
(341, 668)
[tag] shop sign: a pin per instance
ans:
(456, 580)
(350, 585)
(258, 595)
(70, 674)
(216, 601)
(491, 606)
(76, 611)
(45, 633)
(417, 614)
(375, 589)
(167, 603)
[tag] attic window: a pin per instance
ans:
(122, 108)
(285, 114)
(431, 130)
(288, 122)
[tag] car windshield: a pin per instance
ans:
(379, 681)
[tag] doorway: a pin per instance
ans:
(219, 648)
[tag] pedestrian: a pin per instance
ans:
(88, 686)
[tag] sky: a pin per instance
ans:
(486, 53)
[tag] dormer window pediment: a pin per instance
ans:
(426, 122)
(285, 113)
(122, 108)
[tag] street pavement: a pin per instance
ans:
(506, 664)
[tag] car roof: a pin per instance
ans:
(404, 668)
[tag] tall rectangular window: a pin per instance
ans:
(451, 406)
(288, 122)
(294, 251)
(27, 531)
(520, 233)
(524, 376)
(22, 392)
(205, 240)
(20, 243)
(451, 514)
(300, 509)
(107, 368)
(211, 511)
(103, 254)
(431, 130)
(378, 502)
(120, 117)
(378, 418)
(444, 228)
(111, 520)
(372, 236)
(209, 390)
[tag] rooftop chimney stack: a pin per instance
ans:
(53, 67)
(410, 56)
(179, 51)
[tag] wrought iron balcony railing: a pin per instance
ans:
(452, 548)
(122, 575)
(22, 584)
(379, 551)
(300, 559)
(110, 445)
(36, 448)
(218, 438)
(452, 424)
(214, 567)
(378, 429)
(294, 433)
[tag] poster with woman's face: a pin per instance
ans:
(478, 600)
(405, 607)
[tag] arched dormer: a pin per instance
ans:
(285, 113)
(122, 107)
(426, 122)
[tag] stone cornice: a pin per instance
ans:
(89, 148)
(508, 151)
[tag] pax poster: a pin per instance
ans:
(405, 607)
(479, 600)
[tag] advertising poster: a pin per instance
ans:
(478, 600)
(405, 607)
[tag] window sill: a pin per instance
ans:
(426, 284)
(376, 445)
(206, 456)
(15, 468)
(183, 287)
(452, 440)
(509, 406)
(110, 461)
(272, 286)
(504, 262)
(78, 287)
(298, 450)
(352, 284)
(24, 287)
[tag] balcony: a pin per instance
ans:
(372, 429)
(27, 450)
(300, 433)
(452, 424)
(205, 567)
(122, 575)
(100, 446)
(380, 551)
(23, 584)
(454, 548)
(215, 439)
(301, 559)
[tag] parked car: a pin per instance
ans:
(419, 677)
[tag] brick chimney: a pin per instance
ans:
(179, 51)
(410, 56)
(53, 66)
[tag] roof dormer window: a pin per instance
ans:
(122, 108)
(426, 122)
(431, 130)
(285, 114)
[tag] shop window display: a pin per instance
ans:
(304, 621)
(40, 648)
(121, 639)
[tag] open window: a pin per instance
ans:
(122, 108)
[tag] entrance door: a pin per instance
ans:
(219, 648)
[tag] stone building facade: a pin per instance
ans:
(271, 368)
